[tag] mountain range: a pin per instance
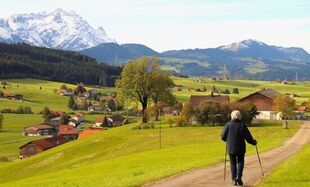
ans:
(65, 30)
(250, 59)
(57, 29)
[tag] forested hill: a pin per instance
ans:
(22, 60)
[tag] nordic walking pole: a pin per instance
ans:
(225, 162)
(260, 163)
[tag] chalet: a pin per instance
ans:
(89, 132)
(37, 146)
(196, 100)
(178, 88)
(68, 132)
(117, 120)
(65, 92)
(13, 96)
(264, 102)
(55, 122)
(301, 112)
(94, 108)
(112, 121)
(40, 130)
(169, 111)
(99, 121)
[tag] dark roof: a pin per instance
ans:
(47, 143)
(195, 100)
(269, 93)
(67, 129)
(117, 118)
(41, 126)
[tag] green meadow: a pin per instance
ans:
(125, 157)
(245, 87)
(293, 172)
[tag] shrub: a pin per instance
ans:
(181, 121)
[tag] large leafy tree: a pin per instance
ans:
(143, 80)
(285, 105)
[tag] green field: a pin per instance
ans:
(38, 98)
(245, 87)
(293, 172)
(122, 156)
(126, 157)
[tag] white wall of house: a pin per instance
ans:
(269, 115)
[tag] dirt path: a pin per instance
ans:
(213, 176)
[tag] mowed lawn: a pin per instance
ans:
(125, 157)
(245, 87)
(293, 172)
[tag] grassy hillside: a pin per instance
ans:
(293, 172)
(245, 87)
(126, 157)
(38, 98)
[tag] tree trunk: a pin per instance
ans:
(156, 108)
(285, 124)
(144, 114)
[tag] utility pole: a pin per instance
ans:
(159, 132)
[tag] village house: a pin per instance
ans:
(68, 132)
(112, 121)
(264, 102)
(13, 96)
(301, 112)
(76, 120)
(36, 146)
(178, 88)
(43, 129)
(196, 100)
(65, 92)
(94, 108)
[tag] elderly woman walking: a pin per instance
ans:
(234, 134)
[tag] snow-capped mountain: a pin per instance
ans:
(57, 29)
(258, 49)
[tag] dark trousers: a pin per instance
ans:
(236, 165)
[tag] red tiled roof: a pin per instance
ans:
(302, 108)
(100, 120)
(48, 143)
(67, 129)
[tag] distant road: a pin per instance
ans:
(213, 175)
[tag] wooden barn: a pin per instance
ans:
(43, 129)
(37, 146)
(264, 102)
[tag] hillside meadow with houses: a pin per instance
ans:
(60, 133)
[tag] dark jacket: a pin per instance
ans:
(234, 133)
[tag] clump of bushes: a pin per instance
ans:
(19, 110)
(214, 113)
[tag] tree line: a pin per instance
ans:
(25, 61)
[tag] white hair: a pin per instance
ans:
(235, 115)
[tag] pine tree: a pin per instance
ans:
(71, 103)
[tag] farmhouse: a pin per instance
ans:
(39, 130)
(76, 120)
(65, 92)
(112, 121)
(264, 101)
(13, 96)
(68, 132)
(37, 146)
(196, 100)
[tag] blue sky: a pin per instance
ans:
(179, 24)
